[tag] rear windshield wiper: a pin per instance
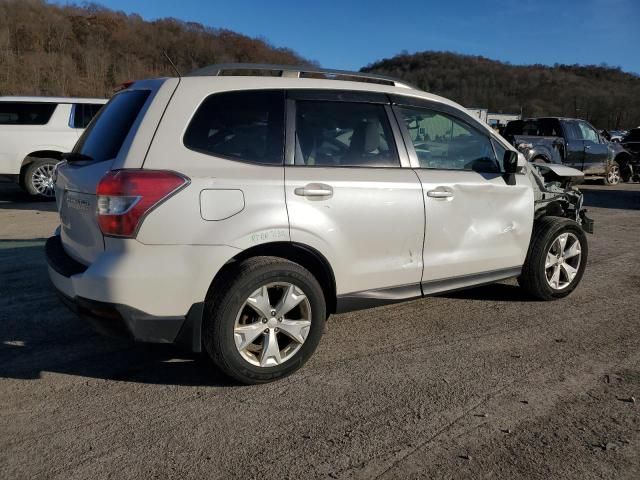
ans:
(76, 157)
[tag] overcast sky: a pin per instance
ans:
(350, 34)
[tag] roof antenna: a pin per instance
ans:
(175, 69)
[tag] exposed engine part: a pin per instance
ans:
(556, 195)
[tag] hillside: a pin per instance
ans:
(51, 50)
(607, 97)
(87, 51)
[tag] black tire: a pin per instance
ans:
(626, 171)
(29, 180)
(533, 278)
(612, 175)
(235, 286)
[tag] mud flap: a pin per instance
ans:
(586, 222)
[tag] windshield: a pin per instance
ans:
(105, 135)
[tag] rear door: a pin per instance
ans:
(596, 151)
(574, 156)
(478, 220)
(349, 197)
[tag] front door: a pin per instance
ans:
(478, 221)
(349, 197)
(596, 151)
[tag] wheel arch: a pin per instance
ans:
(36, 155)
(304, 255)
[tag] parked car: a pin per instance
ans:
(35, 132)
(234, 214)
(631, 143)
(614, 136)
(567, 141)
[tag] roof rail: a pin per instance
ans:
(298, 71)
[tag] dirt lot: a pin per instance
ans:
(479, 384)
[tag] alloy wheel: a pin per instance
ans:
(272, 324)
(563, 261)
(613, 175)
(42, 179)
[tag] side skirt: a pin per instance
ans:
(375, 298)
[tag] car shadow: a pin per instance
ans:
(497, 292)
(38, 334)
(12, 197)
(612, 197)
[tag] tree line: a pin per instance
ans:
(605, 96)
(88, 50)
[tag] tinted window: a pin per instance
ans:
(25, 113)
(343, 134)
(83, 113)
(444, 142)
(105, 136)
(246, 126)
(541, 127)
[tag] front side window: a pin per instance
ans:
(444, 142)
(26, 113)
(588, 133)
(246, 125)
(343, 134)
(83, 113)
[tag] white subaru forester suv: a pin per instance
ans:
(234, 212)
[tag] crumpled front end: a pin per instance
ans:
(556, 195)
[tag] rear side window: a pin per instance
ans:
(83, 113)
(246, 125)
(444, 142)
(105, 136)
(26, 113)
(343, 134)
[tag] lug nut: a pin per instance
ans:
(277, 329)
(280, 319)
(264, 320)
(273, 313)
(266, 331)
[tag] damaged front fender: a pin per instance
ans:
(556, 195)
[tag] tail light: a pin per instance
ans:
(125, 197)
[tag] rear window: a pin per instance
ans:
(83, 113)
(543, 127)
(26, 113)
(105, 136)
(246, 126)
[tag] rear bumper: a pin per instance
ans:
(117, 319)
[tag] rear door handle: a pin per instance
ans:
(439, 193)
(314, 190)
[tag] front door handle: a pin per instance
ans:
(314, 190)
(438, 193)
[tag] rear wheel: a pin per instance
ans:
(556, 259)
(38, 177)
(265, 321)
(612, 175)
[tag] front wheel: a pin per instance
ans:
(556, 259)
(612, 176)
(38, 177)
(265, 321)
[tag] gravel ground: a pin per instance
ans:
(484, 383)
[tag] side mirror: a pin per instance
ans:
(510, 162)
